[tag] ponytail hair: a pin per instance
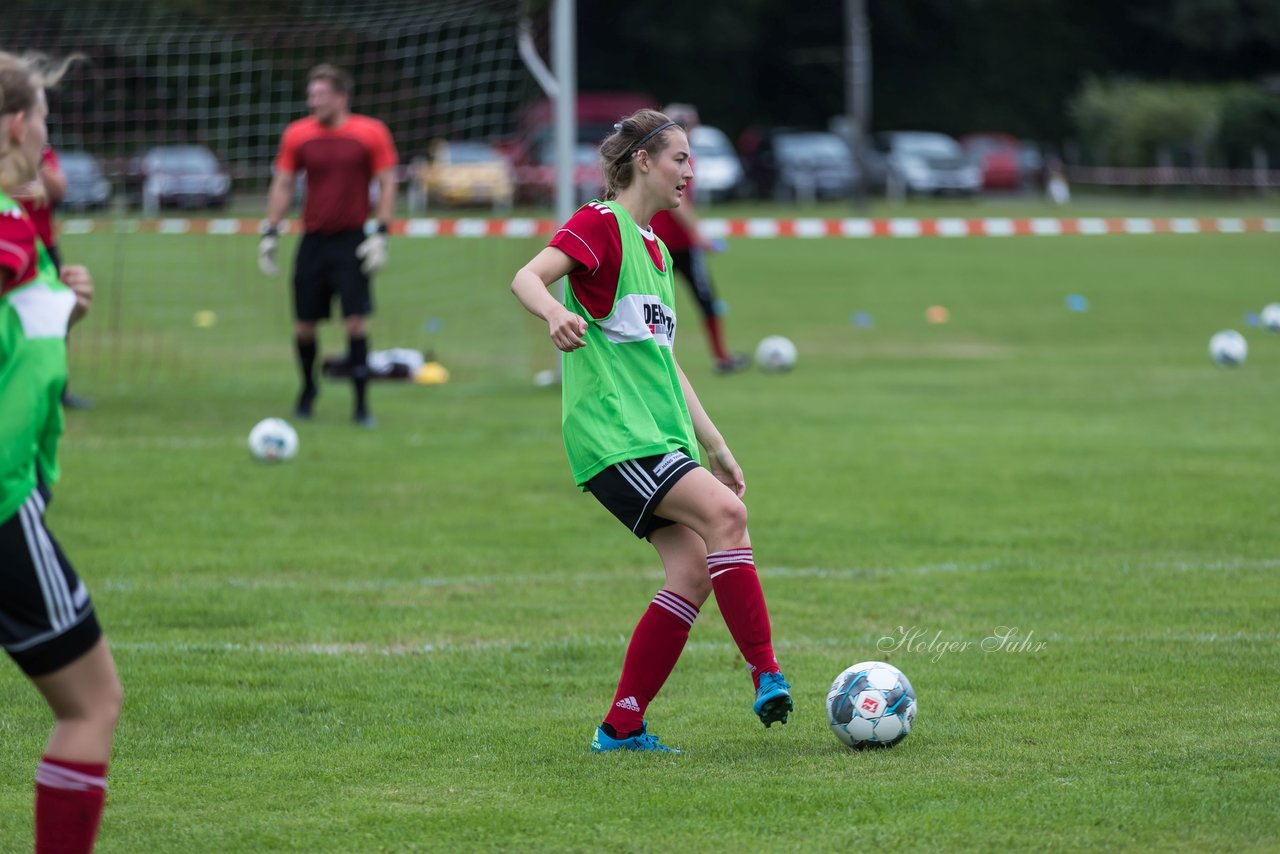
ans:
(645, 130)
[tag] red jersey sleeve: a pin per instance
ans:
(383, 154)
(17, 248)
(591, 238)
(287, 159)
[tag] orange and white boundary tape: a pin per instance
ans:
(748, 228)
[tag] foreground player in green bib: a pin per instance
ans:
(47, 621)
(633, 424)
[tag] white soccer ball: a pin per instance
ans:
(1228, 347)
(273, 440)
(871, 704)
(1270, 316)
(776, 353)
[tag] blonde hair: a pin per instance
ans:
(641, 131)
(22, 78)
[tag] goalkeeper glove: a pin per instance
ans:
(267, 249)
(373, 251)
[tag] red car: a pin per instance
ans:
(999, 156)
(533, 150)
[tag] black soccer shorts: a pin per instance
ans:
(632, 489)
(46, 618)
(326, 266)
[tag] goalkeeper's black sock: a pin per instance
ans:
(307, 364)
(358, 359)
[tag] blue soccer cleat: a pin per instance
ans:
(773, 698)
(603, 742)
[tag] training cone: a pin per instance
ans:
(432, 373)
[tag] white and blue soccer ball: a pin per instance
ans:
(1228, 347)
(1270, 316)
(871, 704)
(776, 353)
(273, 440)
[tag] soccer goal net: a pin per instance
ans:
(229, 75)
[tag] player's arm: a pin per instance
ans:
(530, 287)
(78, 279)
(719, 458)
(687, 217)
(279, 197)
(54, 180)
(386, 197)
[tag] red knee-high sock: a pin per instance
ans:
(655, 647)
(741, 601)
(715, 337)
(69, 800)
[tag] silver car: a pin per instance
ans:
(925, 163)
(717, 171)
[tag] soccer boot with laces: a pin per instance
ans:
(773, 699)
(644, 741)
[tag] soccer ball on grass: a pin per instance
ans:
(1228, 347)
(1270, 317)
(776, 353)
(871, 704)
(273, 440)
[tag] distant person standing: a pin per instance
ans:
(39, 198)
(679, 229)
(341, 153)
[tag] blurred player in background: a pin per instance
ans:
(679, 230)
(341, 153)
(632, 424)
(40, 197)
(47, 622)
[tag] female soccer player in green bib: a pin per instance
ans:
(633, 424)
(47, 622)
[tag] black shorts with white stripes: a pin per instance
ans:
(46, 618)
(632, 489)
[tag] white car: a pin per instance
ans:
(717, 171)
(926, 163)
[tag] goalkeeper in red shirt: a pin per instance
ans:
(341, 153)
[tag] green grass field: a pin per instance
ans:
(402, 640)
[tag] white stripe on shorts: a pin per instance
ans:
(643, 482)
(53, 584)
(684, 465)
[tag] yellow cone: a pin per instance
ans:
(432, 373)
(205, 319)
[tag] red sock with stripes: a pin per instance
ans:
(655, 647)
(69, 801)
(741, 601)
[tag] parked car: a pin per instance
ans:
(925, 163)
(465, 173)
(532, 151)
(717, 170)
(186, 176)
(998, 155)
(87, 187)
(536, 172)
(800, 164)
